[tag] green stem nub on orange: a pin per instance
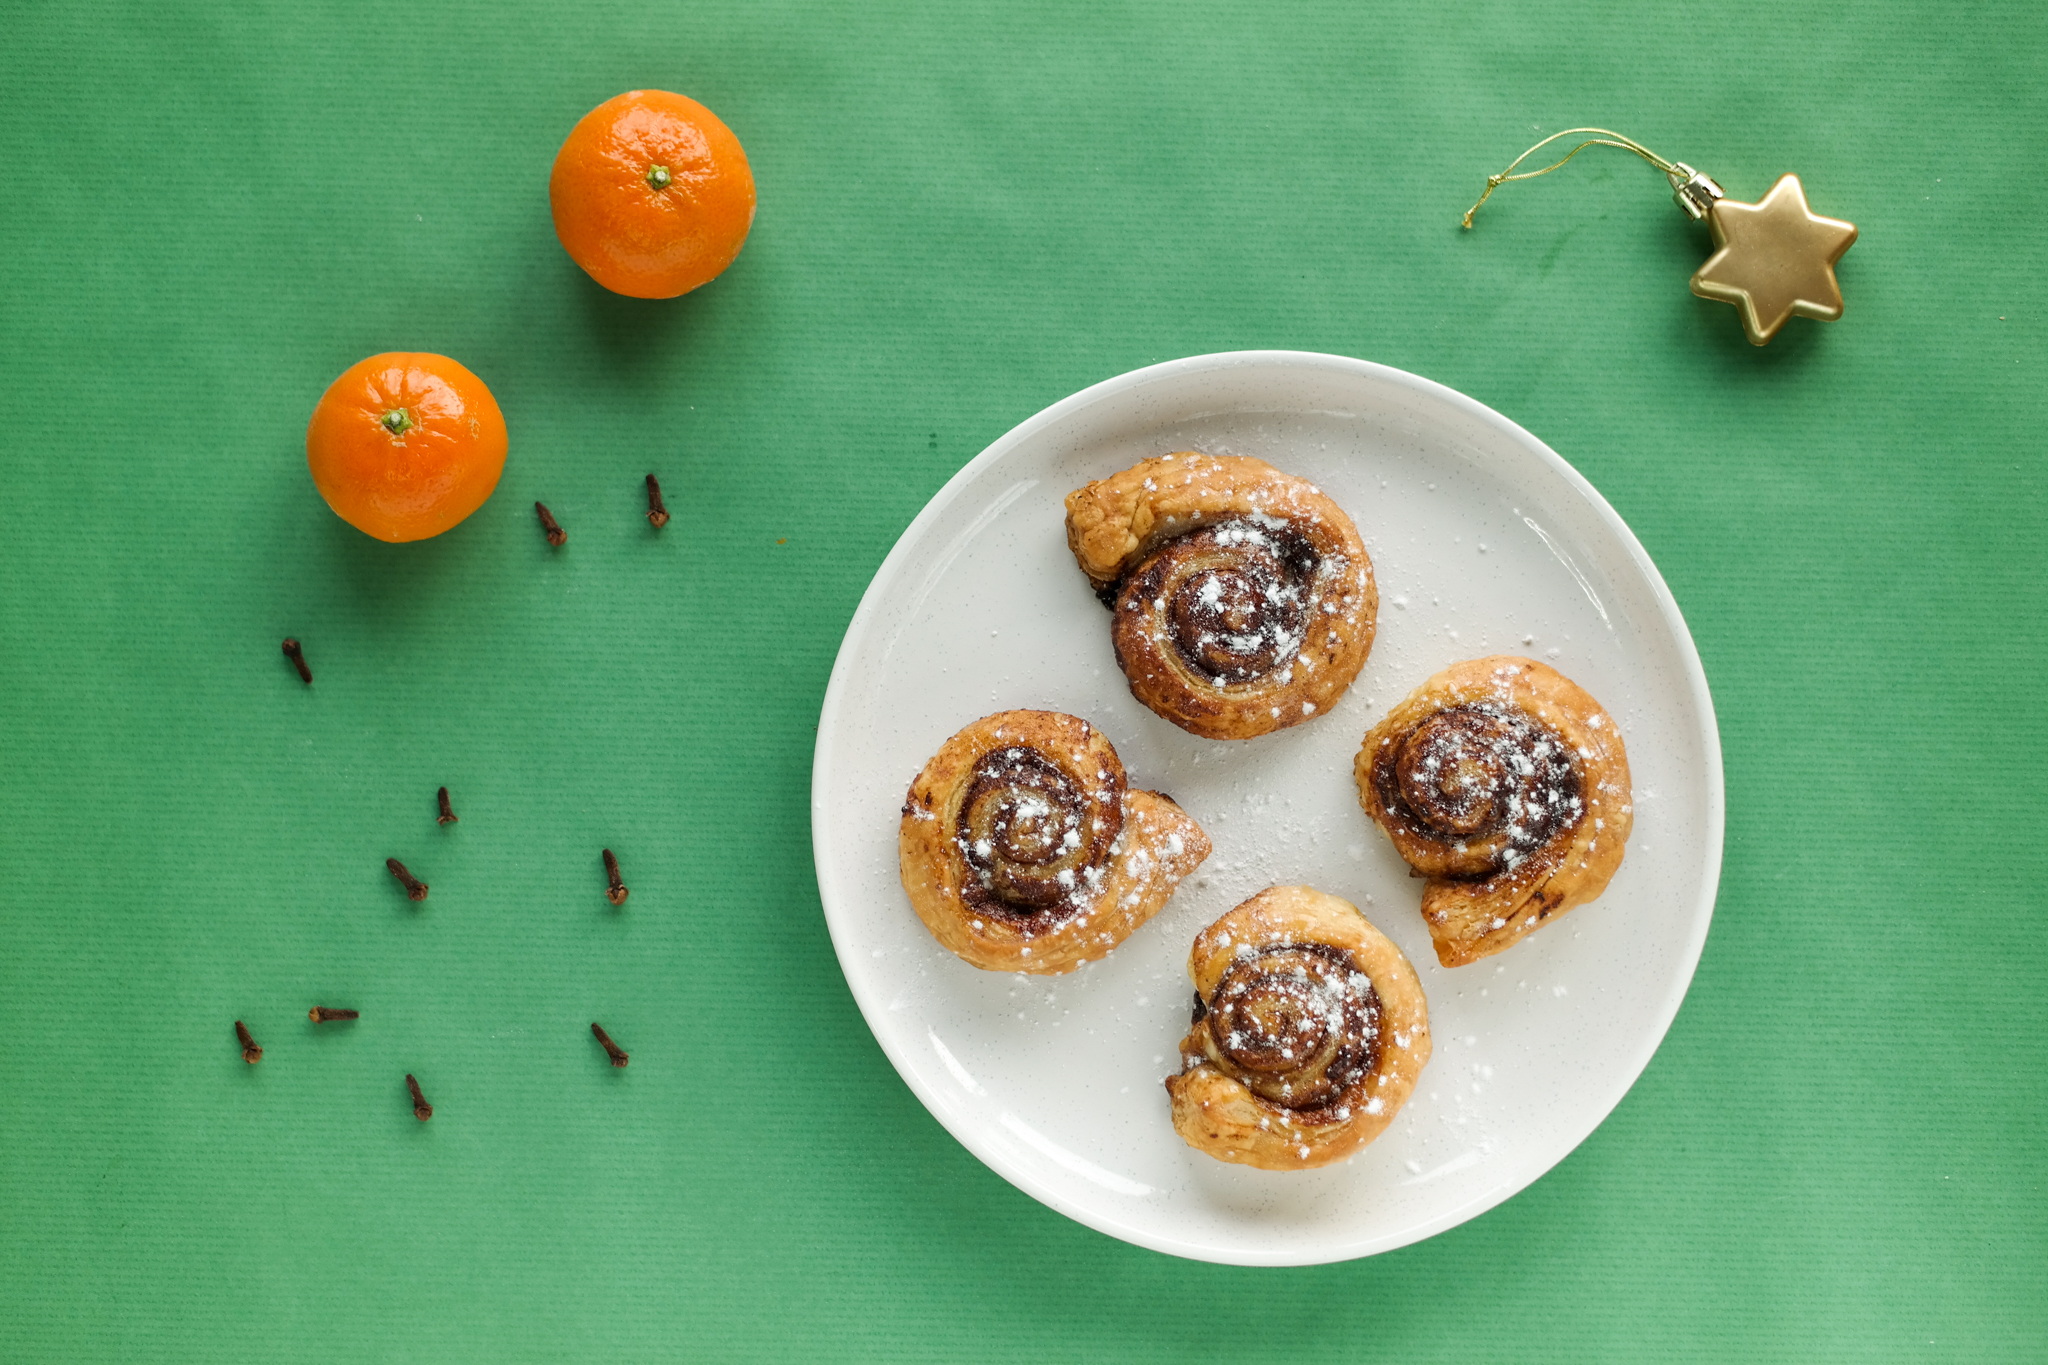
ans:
(397, 421)
(658, 177)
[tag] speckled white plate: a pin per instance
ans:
(1484, 541)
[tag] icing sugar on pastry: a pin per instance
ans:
(1022, 849)
(1308, 1034)
(1031, 839)
(1244, 598)
(1240, 607)
(1507, 786)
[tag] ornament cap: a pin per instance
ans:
(1694, 191)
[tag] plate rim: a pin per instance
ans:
(890, 569)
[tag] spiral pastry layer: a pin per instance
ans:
(1309, 1032)
(1244, 598)
(1022, 850)
(1506, 786)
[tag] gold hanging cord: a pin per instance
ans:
(1606, 138)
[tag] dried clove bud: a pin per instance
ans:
(657, 511)
(323, 1014)
(251, 1053)
(297, 655)
(448, 816)
(557, 537)
(421, 1110)
(611, 1049)
(616, 893)
(415, 889)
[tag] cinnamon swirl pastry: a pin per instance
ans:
(1310, 1030)
(1244, 599)
(1023, 851)
(1502, 782)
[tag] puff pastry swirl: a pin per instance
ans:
(1309, 1032)
(1244, 598)
(1507, 786)
(1023, 850)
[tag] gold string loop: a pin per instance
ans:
(1605, 138)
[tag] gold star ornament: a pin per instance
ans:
(1774, 259)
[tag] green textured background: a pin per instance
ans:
(966, 212)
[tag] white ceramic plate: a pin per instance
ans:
(1484, 541)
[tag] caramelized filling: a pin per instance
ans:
(1033, 842)
(1235, 598)
(1489, 783)
(1298, 1025)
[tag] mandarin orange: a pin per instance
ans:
(406, 444)
(651, 194)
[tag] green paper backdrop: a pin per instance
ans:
(967, 211)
